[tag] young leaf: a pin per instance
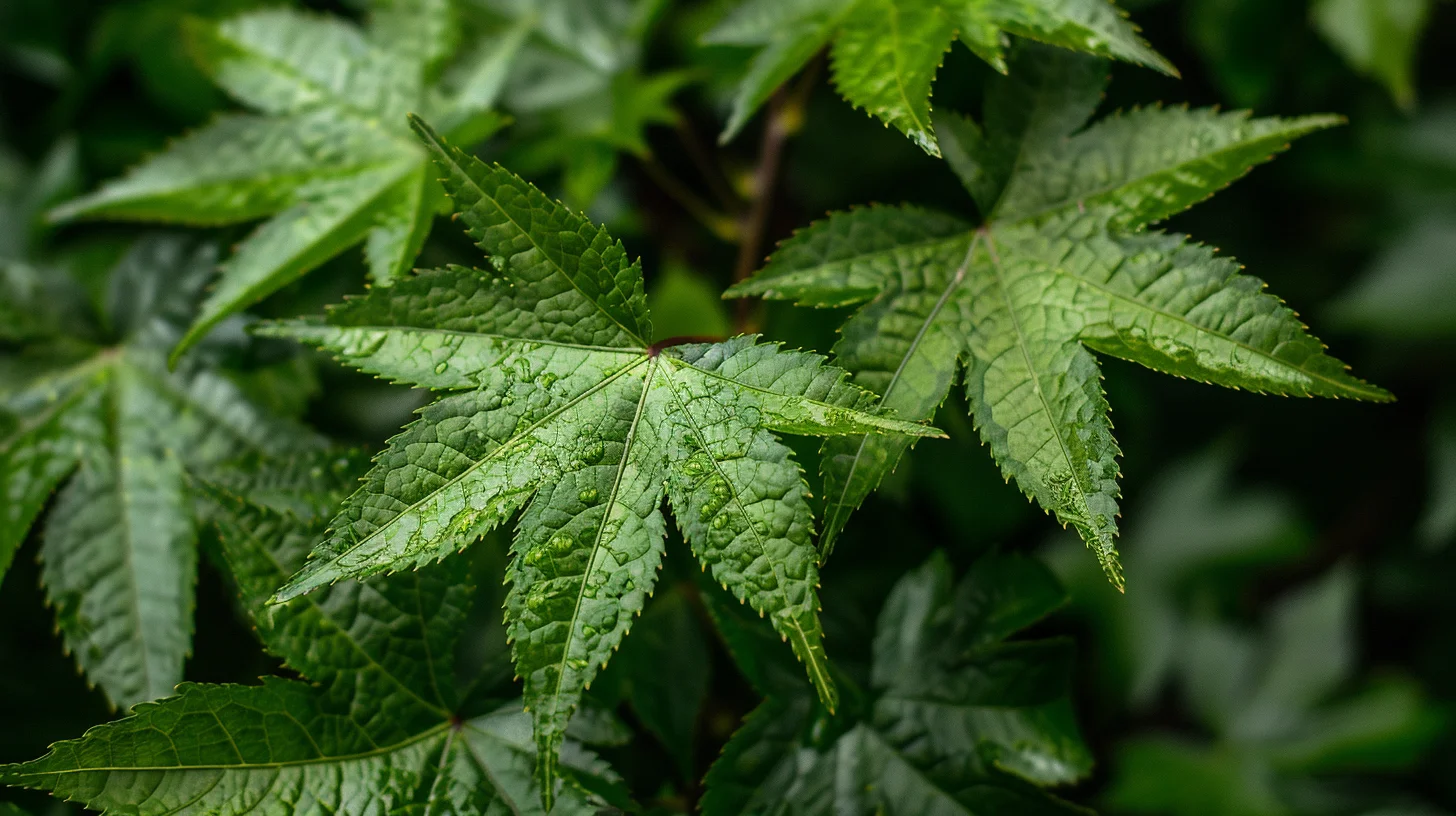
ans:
(885, 52)
(327, 157)
(375, 731)
(557, 403)
(956, 720)
(1060, 267)
(119, 548)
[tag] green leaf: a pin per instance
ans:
(375, 730)
(956, 721)
(327, 159)
(1408, 292)
(558, 404)
(1438, 522)
(1378, 38)
(667, 673)
(885, 53)
(685, 304)
(119, 548)
(1191, 523)
(1056, 270)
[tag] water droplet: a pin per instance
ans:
(561, 543)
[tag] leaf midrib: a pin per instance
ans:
(920, 334)
(308, 326)
(530, 235)
(596, 547)
(331, 99)
(499, 449)
(1021, 345)
(821, 680)
(323, 760)
(1372, 394)
(1068, 203)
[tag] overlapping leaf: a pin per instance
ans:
(556, 403)
(1378, 38)
(582, 94)
(1061, 266)
(327, 157)
(98, 414)
(379, 729)
(956, 721)
(1280, 708)
(885, 52)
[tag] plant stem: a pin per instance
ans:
(710, 169)
(785, 115)
(717, 222)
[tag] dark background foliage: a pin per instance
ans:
(1294, 490)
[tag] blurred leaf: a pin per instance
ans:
(885, 53)
(1191, 526)
(1410, 289)
(376, 728)
(148, 36)
(328, 157)
(117, 432)
(1281, 701)
(955, 721)
(1438, 524)
(1377, 38)
(667, 674)
(685, 304)
(1169, 776)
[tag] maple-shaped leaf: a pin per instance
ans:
(955, 720)
(582, 94)
(327, 157)
(1060, 266)
(557, 403)
(98, 411)
(885, 53)
(379, 729)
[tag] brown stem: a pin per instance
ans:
(718, 223)
(681, 340)
(710, 169)
(785, 115)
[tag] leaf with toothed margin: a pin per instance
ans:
(327, 156)
(955, 721)
(117, 437)
(377, 730)
(554, 401)
(1061, 266)
(885, 53)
